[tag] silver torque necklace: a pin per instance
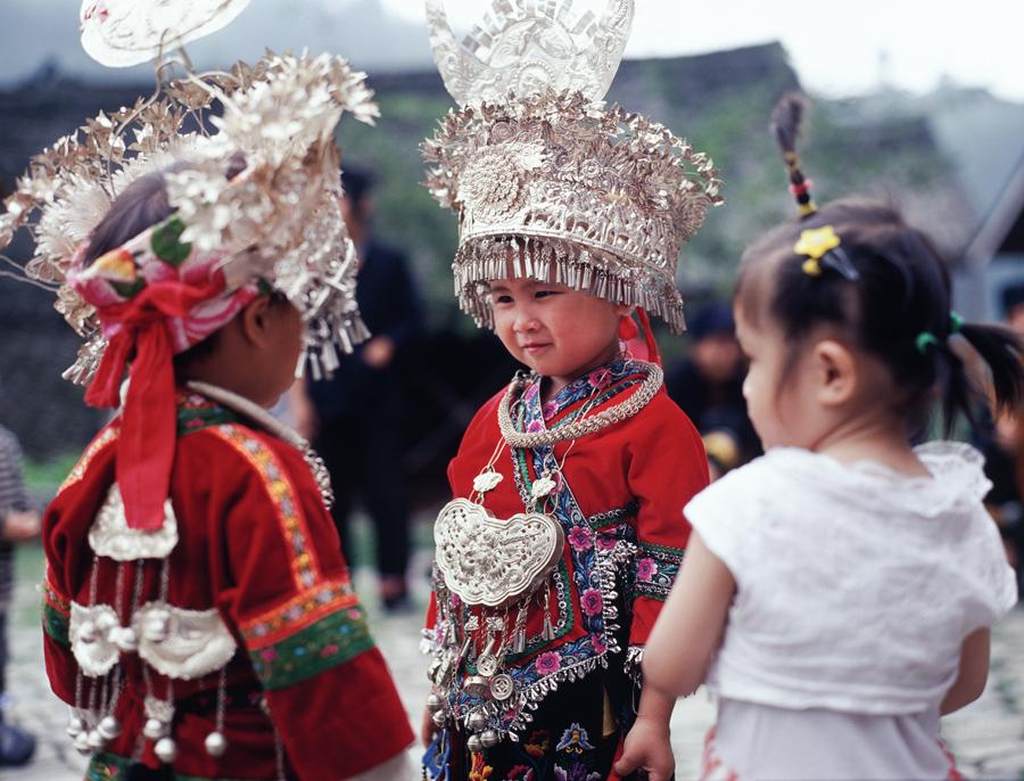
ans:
(265, 420)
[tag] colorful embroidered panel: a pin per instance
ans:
(333, 640)
(56, 615)
(105, 766)
(298, 613)
(656, 570)
(196, 412)
(283, 496)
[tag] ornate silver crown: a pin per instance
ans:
(546, 181)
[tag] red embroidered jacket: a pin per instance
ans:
(623, 498)
(256, 543)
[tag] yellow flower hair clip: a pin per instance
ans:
(821, 245)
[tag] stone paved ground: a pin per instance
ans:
(987, 737)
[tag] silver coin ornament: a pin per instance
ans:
(166, 750)
(474, 744)
(216, 744)
(109, 728)
(502, 687)
(154, 729)
(476, 721)
(489, 738)
(487, 665)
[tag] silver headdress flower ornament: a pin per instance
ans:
(547, 182)
(275, 225)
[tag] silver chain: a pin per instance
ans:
(586, 425)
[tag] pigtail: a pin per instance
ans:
(1003, 351)
(787, 119)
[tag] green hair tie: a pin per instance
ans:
(924, 340)
(956, 323)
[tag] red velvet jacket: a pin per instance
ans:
(257, 543)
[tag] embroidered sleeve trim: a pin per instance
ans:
(333, 640)
(104, 438)
(298, 613)
(656, 570)
(55, 624)
(613, 517)
(305, 569)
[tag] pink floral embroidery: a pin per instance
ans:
(600, 646)
(548, 662)
(592, 601)
(549, 409)
(580, 538)
(646, 569)
(599, 379)
(606, 543)
(534, 426)
(329, 650)
(269, 655)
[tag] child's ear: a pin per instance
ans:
(255, 319)
(836, 373)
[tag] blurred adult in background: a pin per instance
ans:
(708, 386)
(18, 523)
(353, 418)
(1001, 441)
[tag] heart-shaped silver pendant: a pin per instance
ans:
(489, 561)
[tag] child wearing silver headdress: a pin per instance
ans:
(199, 618)
(566, 529)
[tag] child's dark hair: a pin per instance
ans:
(896, 304)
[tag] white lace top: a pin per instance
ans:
(855, 585)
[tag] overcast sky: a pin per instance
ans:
(838, 48)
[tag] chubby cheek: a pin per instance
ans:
(759, 408)
(503, 329)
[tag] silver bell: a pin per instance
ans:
(166, 750)
(474, 744)
(476, 722)
(82, 743)
(95, 740)
(489, 738)
(439, 718)
(109, 728)
(154, 729)
(216, 744)
(75, 726)
(434, 703)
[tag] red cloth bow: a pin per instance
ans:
(145, 452)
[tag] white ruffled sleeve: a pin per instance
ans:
(726, 514)
(992, 581)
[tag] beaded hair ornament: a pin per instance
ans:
(547, 182)
(822, 247)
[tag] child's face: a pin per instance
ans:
(780, 399)
(555, 330)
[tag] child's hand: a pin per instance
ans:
(647, 747)
(20, 526)
(427, 727)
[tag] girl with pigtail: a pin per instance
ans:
(837, 592)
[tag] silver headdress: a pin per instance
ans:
(279, 220)
(549, 183)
